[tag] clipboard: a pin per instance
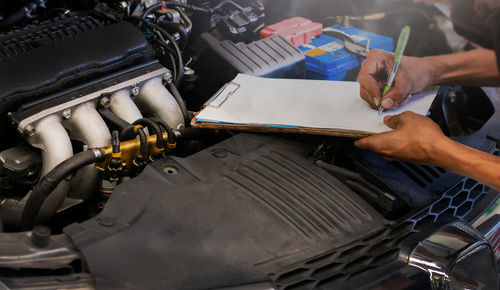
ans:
(311, 107)
(276, 129)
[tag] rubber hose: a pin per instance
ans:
(175, 92)
(154, 128)
(180, 68)
(50, 181)
(172, 137)
(177, 27)
(180, 65)
(151, 9)
(112, 118)
(192, 133)
(143, 144)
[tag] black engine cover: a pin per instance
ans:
(229, 215)
(62, 53)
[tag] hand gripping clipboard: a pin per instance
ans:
(312, 107)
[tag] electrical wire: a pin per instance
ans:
(177, 52)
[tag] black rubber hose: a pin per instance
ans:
(171, 58)
(192, 133)
(115, 141)
(187, 22)
(178, 54)
(172, 137)
(151, 9)
(177, 27)
(180, 64)
(50, 181)
(154, 128)
(174, 67)
(143, 145)
(112, 118)
(175, 92)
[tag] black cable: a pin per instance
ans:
(143, 139)
(172, 137)
(151, 9)
(178, 28)
(175, 92)
(171, 58)
(50, 181)
(153, 126)
(180, 65)
(115, 141)
(178, 54)
(174, 67)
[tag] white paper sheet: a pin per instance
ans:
(302, 103)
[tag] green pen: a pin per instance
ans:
(404, 36)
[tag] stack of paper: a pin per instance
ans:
(255, 101)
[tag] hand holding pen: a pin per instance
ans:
(404, 36)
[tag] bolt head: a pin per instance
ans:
(29, 130)
(135, 91)
(105, 102)
(167, 77)
(66, 114)
(452, 97)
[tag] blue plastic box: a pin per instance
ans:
(326, 58)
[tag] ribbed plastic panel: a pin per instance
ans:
(57, 29)
(300, 197)
(338, 268)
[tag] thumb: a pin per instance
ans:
(392, 122)
(364, 144)
(392, 98)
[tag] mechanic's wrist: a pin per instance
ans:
(452, 156)
(442, 153)
(435, 68)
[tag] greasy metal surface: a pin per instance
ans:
(130, 150)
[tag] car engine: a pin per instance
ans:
(103, 181)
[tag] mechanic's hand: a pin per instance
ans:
(413, 76)
(415, 139)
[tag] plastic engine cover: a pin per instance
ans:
(229, 215)
(59, 54)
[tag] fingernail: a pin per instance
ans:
(376, 101)
(387, 103)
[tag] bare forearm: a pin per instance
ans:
(466, 161)
(473, 68)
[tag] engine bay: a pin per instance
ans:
(99, 163)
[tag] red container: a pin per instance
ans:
(298, 30)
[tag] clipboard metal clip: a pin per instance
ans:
(222, 95)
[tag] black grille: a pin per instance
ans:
(32, 37)
(421, 175)
(337, 267)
